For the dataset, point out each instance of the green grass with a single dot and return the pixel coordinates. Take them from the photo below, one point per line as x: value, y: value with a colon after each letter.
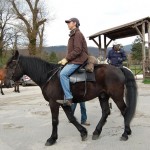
x: 136, y: 69
x: 146, y: 81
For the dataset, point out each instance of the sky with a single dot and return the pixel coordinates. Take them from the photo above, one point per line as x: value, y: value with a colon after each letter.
x: 94, y: 16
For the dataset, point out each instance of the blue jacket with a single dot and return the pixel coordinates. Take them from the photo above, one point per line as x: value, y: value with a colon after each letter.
x: 116, y: 57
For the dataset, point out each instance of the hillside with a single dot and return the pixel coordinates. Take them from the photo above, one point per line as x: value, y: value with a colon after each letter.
x: 92, y: 50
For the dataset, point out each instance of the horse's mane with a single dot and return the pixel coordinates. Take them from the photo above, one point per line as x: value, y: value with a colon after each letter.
x: 39, y: 70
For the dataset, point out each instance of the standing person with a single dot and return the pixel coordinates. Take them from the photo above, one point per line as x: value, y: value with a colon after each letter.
x: 83, y: 112
x: 116, y: 55
x: 77, y: 54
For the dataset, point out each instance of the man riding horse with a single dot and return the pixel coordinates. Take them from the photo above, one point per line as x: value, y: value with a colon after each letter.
x: 77, y: 54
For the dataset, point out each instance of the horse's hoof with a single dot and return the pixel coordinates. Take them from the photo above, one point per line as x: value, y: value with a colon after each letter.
x: 124, y: 138
x: 95, y: 137
x: 50, y: 142
x: 84, y: 136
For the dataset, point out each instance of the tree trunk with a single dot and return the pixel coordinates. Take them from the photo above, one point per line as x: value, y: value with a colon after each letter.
x: 41, y: 35
x: 32, y: 43
x: 32, y: 48
x: 1, y: 47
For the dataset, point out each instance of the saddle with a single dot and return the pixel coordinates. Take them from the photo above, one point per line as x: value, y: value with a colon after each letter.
x: 81, y: 75
x: 85, y: 72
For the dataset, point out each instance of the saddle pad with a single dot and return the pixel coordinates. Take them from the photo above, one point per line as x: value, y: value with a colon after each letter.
x: 82, y: 76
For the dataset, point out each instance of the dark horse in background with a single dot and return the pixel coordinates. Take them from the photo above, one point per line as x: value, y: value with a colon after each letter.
x: 111, y: 82
x: 3, y: 82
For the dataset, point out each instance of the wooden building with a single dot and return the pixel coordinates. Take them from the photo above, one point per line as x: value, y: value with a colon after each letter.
x: 139, y: 27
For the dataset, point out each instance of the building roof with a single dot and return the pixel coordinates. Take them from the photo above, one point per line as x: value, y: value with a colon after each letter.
x: 123, y: 31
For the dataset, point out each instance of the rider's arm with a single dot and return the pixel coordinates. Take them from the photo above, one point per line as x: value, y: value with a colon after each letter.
x: 124, y: 57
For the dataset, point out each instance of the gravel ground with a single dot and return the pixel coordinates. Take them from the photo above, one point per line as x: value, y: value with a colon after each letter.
x: 25, y: 123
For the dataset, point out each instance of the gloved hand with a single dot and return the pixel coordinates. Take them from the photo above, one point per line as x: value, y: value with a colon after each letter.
x: 108, y: 61
x: 63, y: 61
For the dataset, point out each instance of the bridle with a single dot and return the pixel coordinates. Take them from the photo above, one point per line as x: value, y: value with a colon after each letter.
x: 16, y: 65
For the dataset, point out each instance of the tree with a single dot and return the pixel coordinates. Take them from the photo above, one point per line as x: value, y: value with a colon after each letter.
x: 6, y: 29
x: 34, y: 21
x: 5, y: 25
x: 53, y: 57
x: 136, y: 53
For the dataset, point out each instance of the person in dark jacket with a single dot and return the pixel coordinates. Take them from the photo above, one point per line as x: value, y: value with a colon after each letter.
x: 77, y: 54
x: 116, y: 55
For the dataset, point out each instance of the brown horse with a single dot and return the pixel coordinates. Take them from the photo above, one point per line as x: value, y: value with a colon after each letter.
x: 110, y: 83
x: 2, y: 79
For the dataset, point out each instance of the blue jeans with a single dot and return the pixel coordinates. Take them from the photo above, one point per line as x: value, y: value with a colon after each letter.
x: 64, y: 79
x: 82, y: 109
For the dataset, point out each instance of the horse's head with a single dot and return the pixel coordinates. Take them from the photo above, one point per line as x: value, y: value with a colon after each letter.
x: 13, y: 67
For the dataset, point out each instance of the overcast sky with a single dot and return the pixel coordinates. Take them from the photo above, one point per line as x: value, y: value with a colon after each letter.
x: 94, y: 16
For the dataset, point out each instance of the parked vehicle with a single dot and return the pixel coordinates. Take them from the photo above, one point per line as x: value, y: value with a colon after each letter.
x: 25, y: 80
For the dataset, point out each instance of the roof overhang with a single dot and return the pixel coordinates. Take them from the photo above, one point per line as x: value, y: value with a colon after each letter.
x: 123, y: 31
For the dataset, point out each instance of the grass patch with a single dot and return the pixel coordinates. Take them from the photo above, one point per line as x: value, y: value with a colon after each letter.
x: 136, y: 69
x: 146, y: 81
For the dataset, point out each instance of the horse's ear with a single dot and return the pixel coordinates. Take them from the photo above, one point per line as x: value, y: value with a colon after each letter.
x: 16, y: 54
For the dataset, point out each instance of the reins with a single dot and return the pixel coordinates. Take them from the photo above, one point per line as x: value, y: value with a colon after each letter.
x: 16, y: 64
x: 56, y: 70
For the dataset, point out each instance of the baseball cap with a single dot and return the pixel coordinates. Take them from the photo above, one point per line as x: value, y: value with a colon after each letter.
x: 115, y: 43
x: 73, y: 20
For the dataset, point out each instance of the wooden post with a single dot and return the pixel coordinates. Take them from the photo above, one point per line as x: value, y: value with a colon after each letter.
x: 148, y: 26
x: 143, y: 48
x: 105, y: 47
x: 100, y: 46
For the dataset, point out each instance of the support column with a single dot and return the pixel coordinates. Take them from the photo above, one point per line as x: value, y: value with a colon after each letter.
x: 143, y: 49
x: 105, y: 47
x: 100, y: 46
x: 148, y: 26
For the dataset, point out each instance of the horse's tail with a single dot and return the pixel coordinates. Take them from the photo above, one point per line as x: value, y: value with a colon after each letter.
x: 131, y: 94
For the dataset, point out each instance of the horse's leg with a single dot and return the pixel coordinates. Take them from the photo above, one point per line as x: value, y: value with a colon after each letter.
x: 1, y: 84
x: 72, y: 119
x: 18, y: 88
x: 55, y: 112
x: 123, y: 108
x: 15, y: 87
x: 103, y: 98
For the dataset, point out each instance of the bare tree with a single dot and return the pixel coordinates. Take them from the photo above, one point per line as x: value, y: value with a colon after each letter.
x: 41, y: 36
x: 6, y: 18
x: 33, y: 20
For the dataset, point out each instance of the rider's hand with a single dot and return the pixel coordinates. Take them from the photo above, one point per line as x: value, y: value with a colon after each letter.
x: 63, y: 61
x: 108, y: 61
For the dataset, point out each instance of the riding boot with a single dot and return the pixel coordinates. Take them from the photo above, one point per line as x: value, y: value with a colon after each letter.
x: 66, y: 102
